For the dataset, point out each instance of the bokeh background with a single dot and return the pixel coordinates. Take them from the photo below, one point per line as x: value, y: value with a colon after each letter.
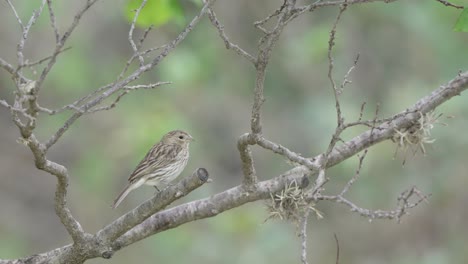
x: 407, y: 49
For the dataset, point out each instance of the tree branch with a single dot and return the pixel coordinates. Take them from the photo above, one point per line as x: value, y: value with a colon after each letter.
x: 113, y: 88
x: 237, y: 196
x: 229, y: 45
x: 153, y: 205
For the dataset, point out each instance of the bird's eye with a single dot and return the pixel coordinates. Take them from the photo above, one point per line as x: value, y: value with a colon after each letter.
x: 181, y: 137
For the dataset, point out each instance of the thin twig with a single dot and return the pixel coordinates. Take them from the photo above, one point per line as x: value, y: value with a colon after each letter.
x: 117, y: 86
x: 25, y: 33
x: 34, y: 63
x: 446, y: 3
x: 345, y: 78
x: 266, y: 46
x: 303, y: 235
x: 229, y: 45
x: 402, y: 208
x: 59, y: 45
x: 125, y: 92
x: 16, y: 14
x: 143, y: 37
x: 356, y: 175
x: 259, y: 24
x: 130, y: 32
x: 331, y: 44
x: 337, y: 249
x: 53, y: 22
x: 285, y: 152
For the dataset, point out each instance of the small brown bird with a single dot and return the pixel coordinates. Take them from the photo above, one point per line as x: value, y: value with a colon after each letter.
x: 161, y: 165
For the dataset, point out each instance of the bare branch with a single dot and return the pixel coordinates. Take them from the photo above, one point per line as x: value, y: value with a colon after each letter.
x: 285, y: 152
x: 250, y: 176
x: 266, y: 46
x: 7, y: 66
x: 153, y: 205
x: 145, y: 35
x: 402, y: 208
x: 336, y: 91
x: 114, y: 87
x: 403, y: 119
x: 356, y: 175
x: 125, y: 92
x: 320, y: 181
x: 238, y: 195
x: 318, y: 4
x: 34, y: 63
x: 16, y: 14
x: 259, y: 24
x: 205, y: 208
x: 303, y: 235
x: 5, y: 104
x: 446, y: 3
x: 131, y: 59
x: 61, y: 209
x: 130, y: 33
x: 59, y: 45
x: 350, y: 70
x: 53, y: 22
x: 25, y: 33
x: 229, y: 45
x: 337, y: 249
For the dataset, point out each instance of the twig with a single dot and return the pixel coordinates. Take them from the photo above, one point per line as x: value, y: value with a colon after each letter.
x: 7, y: 105
x: 143, y: 37
x: 303, y: 235
x: 125, y: 92
x: 130, y: 33
x: 336, y: 92
x: 115, y: 87
x: 53, y: 22
x: 224, y: 37
x: 337, y: 249
x: 402, y: 208
x: 318, y: 4
x: 345, y: 79
x: 126, y: 222
x: 72, y: 226
x: 446, y: 3
x: 265, y: 48
x: 16, y: 14
x: 34, y: 63
x: 59, y: 45
x: 356, y: 175
x: 7, y: 66
x: 331, y: 43
x: 259, y: 24
x: 25, y: 33
x: 285, y: 152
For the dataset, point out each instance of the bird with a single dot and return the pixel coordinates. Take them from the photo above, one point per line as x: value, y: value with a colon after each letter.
x: 161, y: 165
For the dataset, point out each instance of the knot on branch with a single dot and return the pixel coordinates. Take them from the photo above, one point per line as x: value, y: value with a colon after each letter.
x: 202, y: 174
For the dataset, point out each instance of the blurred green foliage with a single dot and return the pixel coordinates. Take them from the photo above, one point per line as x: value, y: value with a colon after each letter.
x: 155, y: 12
x: 462, y: 22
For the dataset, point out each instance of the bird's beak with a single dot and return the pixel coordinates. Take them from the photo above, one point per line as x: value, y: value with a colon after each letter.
x: 191, y: 138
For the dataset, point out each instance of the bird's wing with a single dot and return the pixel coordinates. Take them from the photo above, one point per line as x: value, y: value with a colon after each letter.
x: 158, y: 156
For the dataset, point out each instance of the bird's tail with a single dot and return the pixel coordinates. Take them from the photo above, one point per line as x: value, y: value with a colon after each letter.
x: 123, y: 194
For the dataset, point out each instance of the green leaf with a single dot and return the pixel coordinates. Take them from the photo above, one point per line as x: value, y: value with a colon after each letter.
x: 462, y: 22
x: 155, y: 12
